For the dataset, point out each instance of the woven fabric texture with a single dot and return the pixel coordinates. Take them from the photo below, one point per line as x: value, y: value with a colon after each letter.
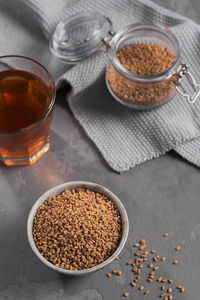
x: 124, y: 137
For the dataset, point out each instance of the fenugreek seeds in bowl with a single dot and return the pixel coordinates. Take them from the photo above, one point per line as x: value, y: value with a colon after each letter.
x: 77, y: 227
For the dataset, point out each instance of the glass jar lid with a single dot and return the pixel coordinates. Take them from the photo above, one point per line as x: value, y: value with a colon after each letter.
x: 78, y: 37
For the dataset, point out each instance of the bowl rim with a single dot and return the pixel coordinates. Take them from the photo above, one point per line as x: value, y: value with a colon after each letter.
x: 73, y: 185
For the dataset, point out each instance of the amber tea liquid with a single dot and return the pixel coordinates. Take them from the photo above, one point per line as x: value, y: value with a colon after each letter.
x: 24, y: 100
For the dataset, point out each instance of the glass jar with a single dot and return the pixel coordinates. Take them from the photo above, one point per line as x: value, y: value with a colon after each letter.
x: 141, y: 91
x: 84, y: 34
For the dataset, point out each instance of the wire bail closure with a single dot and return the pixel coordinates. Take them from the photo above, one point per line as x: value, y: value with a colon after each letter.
x: 183, y: 70
x: 108, y: 39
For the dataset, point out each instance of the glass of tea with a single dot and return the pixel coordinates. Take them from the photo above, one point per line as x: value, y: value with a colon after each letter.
x: 27, y: 96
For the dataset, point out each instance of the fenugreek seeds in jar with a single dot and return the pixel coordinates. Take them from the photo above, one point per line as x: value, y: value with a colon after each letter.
x: 143, y: 62
x: 144, y: 69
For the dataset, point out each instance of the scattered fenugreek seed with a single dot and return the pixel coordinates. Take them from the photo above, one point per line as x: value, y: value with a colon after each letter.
x: 142, y: 242
x: 137, y: 271
x: 170, y: 281
x: 146, y: 292
x: 117, y: 257
x: 140, y: 266
x: 136, y: 261
x: 119, y: 273
x: 179, y: 287
x: 140, y: 259
x: 133, y: 283
x: 152, y: 278
x: 162, y: 295
x: 114, y: 272
x: 145, y: 259
x: 142, y: 247
x: 152, y: 273
x: 133, y: 264
x: 159, y: 279
x: 109, y: 275
x: 155, y: 258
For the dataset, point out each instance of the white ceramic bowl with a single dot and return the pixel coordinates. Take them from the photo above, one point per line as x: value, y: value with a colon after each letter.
x: 74, y: 185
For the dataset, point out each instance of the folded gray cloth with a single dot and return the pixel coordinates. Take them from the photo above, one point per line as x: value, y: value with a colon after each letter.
x: 125, y: 137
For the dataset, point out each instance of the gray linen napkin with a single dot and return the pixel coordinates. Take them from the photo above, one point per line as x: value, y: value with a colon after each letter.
x: 124, y: 137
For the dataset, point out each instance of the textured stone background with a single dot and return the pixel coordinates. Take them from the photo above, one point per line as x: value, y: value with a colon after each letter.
x: 160, y: 196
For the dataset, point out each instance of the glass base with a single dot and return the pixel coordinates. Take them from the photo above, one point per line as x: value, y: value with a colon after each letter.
x: 26, y: 160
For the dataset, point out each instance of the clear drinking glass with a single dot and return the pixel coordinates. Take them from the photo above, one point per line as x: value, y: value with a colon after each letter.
x: 27, y: 96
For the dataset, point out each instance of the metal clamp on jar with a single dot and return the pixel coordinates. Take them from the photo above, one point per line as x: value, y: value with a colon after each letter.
x: 84, y: 34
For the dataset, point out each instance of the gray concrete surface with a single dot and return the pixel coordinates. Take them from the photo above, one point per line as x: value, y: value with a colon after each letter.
x: 160, y: 196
